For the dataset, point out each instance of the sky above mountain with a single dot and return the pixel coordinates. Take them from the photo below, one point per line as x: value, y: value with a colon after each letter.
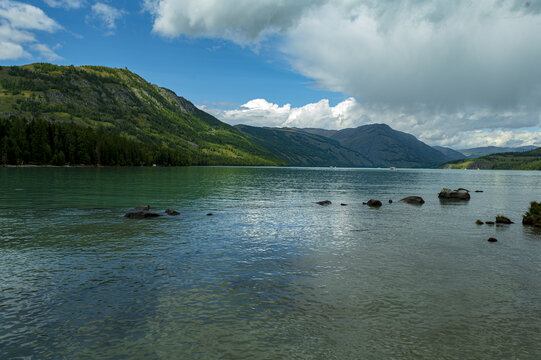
x: 454, y: 73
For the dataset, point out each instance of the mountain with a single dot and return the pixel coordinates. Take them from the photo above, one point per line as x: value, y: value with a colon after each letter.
x: 528, y: 160
x: 301, y: 148
x: 386, y: 147
x: 488, y: 150
x: 449, y: 153
x: 121, y: 104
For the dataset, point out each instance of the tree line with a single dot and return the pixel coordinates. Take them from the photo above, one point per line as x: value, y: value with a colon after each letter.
x: 40, y: 142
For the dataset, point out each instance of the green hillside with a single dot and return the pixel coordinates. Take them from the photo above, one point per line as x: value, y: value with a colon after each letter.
x: 121, y: 104
x: 300, y: 148
x: 529, y: 160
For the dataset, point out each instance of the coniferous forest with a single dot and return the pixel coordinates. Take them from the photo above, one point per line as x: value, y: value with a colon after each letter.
x: 40, y: 142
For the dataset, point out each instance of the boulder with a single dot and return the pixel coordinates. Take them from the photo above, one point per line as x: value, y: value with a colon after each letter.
x: 416, y: 200
x: 503, y: 220
x: 374, y: 203
x: 143, y: 208
x: 172, y: 212
x: 479, y: 222
x: 324, y: 203
x: 141, y: 215
x: 458, y: 194
x: 492, y: 240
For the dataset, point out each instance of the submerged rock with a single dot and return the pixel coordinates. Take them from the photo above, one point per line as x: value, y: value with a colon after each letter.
x: 479, y: 222
x: 324, y: 203
x: 415, y: 200
x: 458, y: 194
x: 490, y: 223
x: 374, y: 203
x: 342, y: 204
x: 143, y: 208
x: 210, y: 214
x: 478, y: 191
x: 503, y: 220
x: 141, y: 215
x: 492, y: 240
x: 172, y: 212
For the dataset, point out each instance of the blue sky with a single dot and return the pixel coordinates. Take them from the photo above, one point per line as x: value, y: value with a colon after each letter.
x: 206, y: 71
x: 458, y: 74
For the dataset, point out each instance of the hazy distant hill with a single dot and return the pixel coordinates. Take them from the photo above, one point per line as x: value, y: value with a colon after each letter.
x: 300, y: 148
x: 449, y: 153
x: 528, y: 160
x: 122, y: 104
x: 488, y: 150
x: 386, y: 147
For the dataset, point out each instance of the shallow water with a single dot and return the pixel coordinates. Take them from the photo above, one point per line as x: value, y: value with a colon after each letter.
x: 271, y: 274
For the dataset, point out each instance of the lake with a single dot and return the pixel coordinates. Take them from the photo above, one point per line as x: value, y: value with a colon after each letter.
x: 271, y: 275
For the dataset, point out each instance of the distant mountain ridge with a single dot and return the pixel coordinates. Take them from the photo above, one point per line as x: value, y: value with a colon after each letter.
x: 376, y: 145
x: 489, y: 150
x: 525, y: 160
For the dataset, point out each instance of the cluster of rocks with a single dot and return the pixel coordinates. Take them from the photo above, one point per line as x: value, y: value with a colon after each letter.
x: 499, y: 220
x: 143, y: 212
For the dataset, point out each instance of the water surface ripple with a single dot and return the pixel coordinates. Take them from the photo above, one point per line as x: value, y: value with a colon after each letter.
x: 271, y: 275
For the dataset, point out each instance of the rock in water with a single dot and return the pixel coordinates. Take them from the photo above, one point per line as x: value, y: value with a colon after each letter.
x: 172, y: 212
x: 390, y: 201
x: 492, y: 240
x: 141, y: 215
x: 415, y: 200
x: 459, y: 194
x: 478, y: 191
x: 479, y: 222
x: 490, y: 223
x: 374, y: 203
x: 324, y: 203
x: 143, y: 208
x: 342, y: 204
x: 210, y: 214
x: 503, y: 220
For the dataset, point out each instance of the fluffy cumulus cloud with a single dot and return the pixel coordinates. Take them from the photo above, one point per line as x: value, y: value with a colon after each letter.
x: 68, y: 4
x: 106, y: 15
x: 434, y: 68
x: 18, y: 24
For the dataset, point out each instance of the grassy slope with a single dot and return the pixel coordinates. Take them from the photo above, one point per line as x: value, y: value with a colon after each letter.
x: 125, y: 103
x: 530, y: 160
x: 300, y: 148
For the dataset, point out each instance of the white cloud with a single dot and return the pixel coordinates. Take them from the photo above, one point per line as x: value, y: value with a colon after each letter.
x: 11, y: 51
x: 46, y: 52
x: 18, y: 24
x: 107, y: 16
x: 24, y: 16
x: 433, y: 68
x: 68, y: 4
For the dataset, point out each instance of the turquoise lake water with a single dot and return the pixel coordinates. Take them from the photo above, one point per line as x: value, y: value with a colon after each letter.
x: 271, y: 275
